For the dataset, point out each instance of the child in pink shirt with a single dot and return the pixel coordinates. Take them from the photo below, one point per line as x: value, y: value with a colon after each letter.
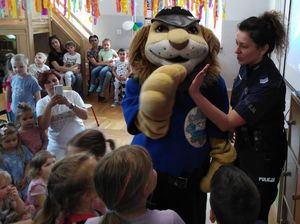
x: 31, y: 135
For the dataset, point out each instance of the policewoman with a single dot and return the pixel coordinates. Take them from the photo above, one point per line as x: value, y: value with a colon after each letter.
x: 258, y: 103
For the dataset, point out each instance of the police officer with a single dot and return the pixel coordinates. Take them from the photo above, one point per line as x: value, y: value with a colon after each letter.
x: 258, y: 103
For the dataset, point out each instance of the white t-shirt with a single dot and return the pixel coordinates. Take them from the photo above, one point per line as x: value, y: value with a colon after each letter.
x: 151, y: 216
x: 34, y: 70
x: 71, y: 60
x: 64, y: 123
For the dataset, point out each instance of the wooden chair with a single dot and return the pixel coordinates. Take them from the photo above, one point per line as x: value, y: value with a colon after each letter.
x: 86, y: 105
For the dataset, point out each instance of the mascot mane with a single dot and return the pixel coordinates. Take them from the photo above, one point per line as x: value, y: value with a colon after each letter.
x: 142, y: 67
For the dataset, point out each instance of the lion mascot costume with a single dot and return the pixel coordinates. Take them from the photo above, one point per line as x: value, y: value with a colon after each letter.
x: 165, y: 57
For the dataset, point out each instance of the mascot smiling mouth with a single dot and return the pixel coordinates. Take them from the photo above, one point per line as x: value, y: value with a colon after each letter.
x: 176, y: 40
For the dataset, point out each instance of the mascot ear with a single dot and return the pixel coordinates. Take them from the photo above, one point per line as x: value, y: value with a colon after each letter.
x: 141, y: 66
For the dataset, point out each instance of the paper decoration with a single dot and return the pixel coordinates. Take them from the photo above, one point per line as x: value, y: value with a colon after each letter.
x: 128, y: 25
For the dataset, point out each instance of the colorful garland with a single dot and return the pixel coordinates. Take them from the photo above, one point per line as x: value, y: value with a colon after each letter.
x: 13, y: 7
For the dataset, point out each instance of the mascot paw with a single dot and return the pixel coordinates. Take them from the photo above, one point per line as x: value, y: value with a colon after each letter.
x: 205, y: 182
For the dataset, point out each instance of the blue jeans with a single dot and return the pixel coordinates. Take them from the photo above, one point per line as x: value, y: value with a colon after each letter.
x: 77, y: 84
x: 95, y: 73
x: 105, y: 71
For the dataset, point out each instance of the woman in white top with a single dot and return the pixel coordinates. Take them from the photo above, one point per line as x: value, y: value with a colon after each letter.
x: 61, y: 114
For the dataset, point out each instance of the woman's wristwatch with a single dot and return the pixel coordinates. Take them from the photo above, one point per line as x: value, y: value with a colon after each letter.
x: 72, y: 106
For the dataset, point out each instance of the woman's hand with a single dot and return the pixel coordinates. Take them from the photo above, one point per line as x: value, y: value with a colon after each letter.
x: 59, y: 99
x: 197, y: 82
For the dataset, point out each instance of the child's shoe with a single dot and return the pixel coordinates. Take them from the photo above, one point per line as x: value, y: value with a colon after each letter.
x: 98, y: 90
x: 92, y: 88
x: 116, y: 103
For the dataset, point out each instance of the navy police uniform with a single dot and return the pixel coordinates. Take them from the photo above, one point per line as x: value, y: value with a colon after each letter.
x: 258, y: 96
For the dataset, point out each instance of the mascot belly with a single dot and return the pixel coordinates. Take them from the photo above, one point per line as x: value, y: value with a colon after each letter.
x: 165, y: 57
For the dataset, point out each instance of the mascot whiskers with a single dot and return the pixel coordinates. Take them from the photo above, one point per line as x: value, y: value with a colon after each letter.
x: 165, y: 57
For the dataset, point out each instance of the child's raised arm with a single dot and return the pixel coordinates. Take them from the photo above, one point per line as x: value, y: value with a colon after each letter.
x: 17, y: 204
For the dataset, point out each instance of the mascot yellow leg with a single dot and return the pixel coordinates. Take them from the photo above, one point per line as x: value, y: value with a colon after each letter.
x: 222, y: 153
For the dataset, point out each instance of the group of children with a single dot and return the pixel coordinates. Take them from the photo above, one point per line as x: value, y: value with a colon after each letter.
x: 91, y: 185
x: 117, y: 64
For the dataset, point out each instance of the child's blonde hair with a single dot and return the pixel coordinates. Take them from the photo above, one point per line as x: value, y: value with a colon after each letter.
x: 22, y: 58
x: 5, y: 177
x: 37, y: 162
x: 21, y: 109
x: 69, y: 180
x: 120, y: 179
x: 43, y: 55
x: 91, y: 141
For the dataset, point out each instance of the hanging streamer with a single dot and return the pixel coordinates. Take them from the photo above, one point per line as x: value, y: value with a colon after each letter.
x: 37, y: 5
x: 224, y: 16
x: 97, y: 10
x: 74, y: 6
x: 88, y: 6
x: 13, y: 8
x: 118, y: 6
x: 145, y: 8
x: 124, y: 7
x: 65, y: 7
x: 155, y: 7
x: 132, y: 4
x: 69, y: 9
x: 44, y: 10
x: 2, y: 4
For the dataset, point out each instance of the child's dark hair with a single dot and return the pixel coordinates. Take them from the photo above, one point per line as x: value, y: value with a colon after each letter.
x: 92, y: 141
x: 69, y: 180
x: 106, y: 40
x: 266, y: 29
x: 37, y: 162
x: 21, y: 109
x: 121, y: 50
x: 120, y: 178
x: 70, y: 43
x: 234, y: 197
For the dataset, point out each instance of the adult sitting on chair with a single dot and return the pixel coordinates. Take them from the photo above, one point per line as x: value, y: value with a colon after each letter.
x: 62, y: 114
x: 55, y: 60
x: 93, y: 58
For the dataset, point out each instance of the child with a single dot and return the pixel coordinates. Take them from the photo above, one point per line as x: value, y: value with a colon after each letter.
x: 25, y: 88
x: 39, y: 65
x: 90, y: 140
x: 71, y: 59
x: 234, y: 198
x: 121, y: 71
x: 7, y: 86
x: 31, y: 135
x: 14, y: 157
x: 106, y: 56
x: 39, y: 172
x: 11, y: 205
x: 124, y: 178
x: 71, y: 191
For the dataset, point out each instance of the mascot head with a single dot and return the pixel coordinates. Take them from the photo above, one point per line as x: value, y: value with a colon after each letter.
x: 174, y: 36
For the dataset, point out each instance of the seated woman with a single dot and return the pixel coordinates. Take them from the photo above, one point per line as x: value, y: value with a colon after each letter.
x: 55, y: 60
x: 61, y: 114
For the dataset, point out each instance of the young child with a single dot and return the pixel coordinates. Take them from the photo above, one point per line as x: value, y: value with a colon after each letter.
x: 11, y: 205
x: 7, y: 86
x: 71, y: 59
x: 14, y: 157
x: 91, y: 141
x: 31, y: 135
x: 39, y: 65
x: 71, y: 191
x: 124, y: 178
x: 39, y: 172
x: 121, y: 72
x: 234, y: 198
x: 106, y: 56
x: 24, y: 87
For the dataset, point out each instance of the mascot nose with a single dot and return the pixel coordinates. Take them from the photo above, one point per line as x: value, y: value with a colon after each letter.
x: 178, y: 38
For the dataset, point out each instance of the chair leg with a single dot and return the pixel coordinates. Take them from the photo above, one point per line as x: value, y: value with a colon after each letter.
x: 95, y: 116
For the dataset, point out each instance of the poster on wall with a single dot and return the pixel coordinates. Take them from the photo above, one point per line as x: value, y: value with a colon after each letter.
x: 292, y: 64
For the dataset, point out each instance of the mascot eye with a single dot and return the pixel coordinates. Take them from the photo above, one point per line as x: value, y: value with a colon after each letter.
x: 161, y: 28
x: 192, y: 29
